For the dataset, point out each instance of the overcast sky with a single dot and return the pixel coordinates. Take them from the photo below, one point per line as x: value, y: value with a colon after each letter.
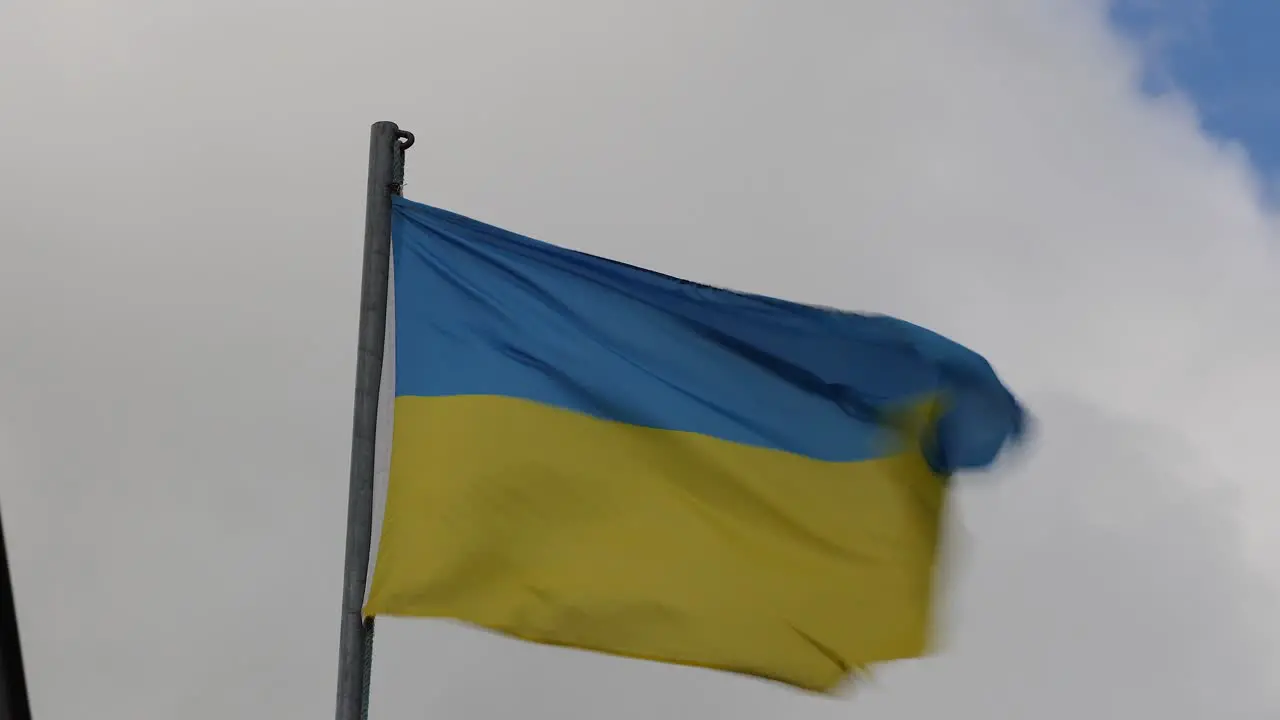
x: 181, y: 207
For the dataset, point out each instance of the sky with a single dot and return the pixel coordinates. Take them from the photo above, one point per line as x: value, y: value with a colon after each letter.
x: 1219, y: 52
x: 1055, y: 183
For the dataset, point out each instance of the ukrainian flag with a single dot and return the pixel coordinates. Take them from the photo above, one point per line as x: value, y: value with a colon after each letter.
x: 593, y: 455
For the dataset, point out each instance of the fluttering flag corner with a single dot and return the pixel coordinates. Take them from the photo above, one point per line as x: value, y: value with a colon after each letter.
x: 590, y: 454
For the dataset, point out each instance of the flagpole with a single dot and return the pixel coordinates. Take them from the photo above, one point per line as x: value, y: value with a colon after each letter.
x: 14, y: 704
x: 387, y: 143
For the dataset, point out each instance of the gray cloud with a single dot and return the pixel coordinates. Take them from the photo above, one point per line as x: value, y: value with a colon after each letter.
x: 180, y: 209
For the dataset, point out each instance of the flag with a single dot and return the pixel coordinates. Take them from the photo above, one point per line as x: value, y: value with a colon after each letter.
x: 589, y: 454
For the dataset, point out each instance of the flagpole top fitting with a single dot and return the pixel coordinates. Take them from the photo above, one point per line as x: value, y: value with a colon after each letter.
x: 405, y: 139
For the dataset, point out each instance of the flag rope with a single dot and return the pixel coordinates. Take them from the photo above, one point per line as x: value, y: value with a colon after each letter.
x: 366, y: 669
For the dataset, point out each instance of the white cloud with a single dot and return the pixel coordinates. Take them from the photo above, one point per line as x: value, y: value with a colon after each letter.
x: 182, y: 198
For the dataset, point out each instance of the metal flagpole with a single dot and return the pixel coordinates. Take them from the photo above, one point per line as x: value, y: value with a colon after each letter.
x: 387, y: 143
x: 14, y: 704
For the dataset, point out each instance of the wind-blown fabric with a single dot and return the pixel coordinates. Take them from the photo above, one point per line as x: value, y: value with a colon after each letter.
x: 590, y: 454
